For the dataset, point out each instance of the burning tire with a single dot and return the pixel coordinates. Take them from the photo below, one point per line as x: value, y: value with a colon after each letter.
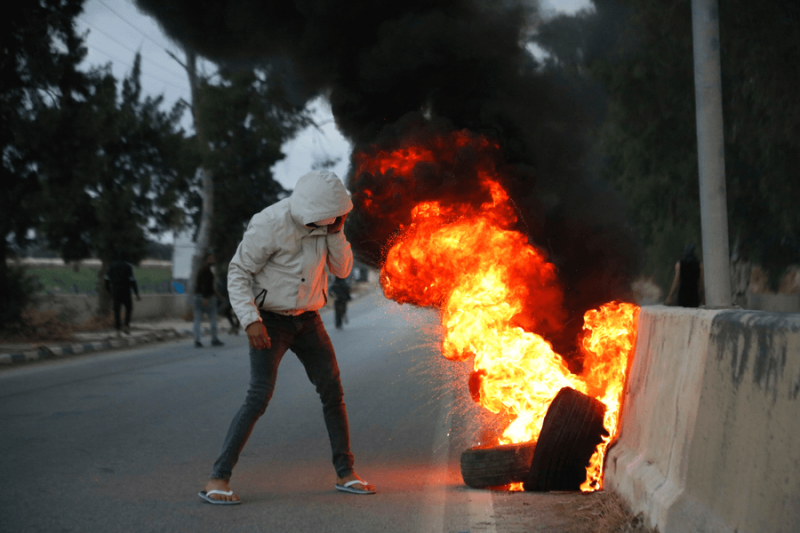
x: 572, y: 429
x: 494, y: 466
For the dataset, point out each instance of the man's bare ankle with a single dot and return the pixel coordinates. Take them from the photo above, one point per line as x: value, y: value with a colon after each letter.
x: 217, y: 484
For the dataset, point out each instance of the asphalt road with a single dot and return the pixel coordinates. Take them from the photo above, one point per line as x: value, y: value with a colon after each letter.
x: 123, y: 441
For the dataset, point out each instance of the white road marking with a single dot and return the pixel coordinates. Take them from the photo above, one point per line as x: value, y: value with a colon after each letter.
x: 481, y: 508
x: 481, y: 512
x: 435, y: 491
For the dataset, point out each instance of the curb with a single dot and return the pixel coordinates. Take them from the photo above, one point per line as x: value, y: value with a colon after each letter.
x: 43, y: 353
x: 54, y: 352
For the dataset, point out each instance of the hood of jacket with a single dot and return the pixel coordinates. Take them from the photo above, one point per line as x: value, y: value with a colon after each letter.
x: 318, y: 195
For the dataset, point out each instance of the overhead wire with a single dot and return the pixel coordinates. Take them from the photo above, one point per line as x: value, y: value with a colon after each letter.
x: 126, y: 21
x: 150, y: 61
x: 132, y: 26
x: 130, y: 65
x: 127, y: 63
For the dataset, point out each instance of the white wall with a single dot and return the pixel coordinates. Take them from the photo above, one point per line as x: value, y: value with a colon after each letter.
x: 77, y: 308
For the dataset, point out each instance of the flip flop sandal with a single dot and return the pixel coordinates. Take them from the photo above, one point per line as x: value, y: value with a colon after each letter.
x: 348, y: 487
x: 206, y: 496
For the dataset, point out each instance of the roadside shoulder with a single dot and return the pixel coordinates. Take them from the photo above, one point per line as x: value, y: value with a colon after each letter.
x: 23, y: 353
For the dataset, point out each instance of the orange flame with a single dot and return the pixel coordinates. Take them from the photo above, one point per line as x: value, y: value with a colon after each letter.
x: 489, y: 282
x: 607, y: 346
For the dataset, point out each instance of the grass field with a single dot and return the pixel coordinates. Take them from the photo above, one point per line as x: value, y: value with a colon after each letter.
x: 65, y: 279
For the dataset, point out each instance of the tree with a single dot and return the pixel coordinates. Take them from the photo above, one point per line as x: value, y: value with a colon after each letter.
x: 245, y: 118
x: 38, y: 69
x: 649, y: 135
x: 89, y: 169
x: 138, y: 173
x: 240, y: 123
x: 647, y: 141
x: 113, y: 167
x: 760, y: 53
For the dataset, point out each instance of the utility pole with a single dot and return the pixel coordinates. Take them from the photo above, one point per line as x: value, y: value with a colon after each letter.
x: 206, y: 178
x: 711, y: 153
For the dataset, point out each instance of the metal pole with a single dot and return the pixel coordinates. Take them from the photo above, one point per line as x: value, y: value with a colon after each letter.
x: 206, y: 177
x: 711, y: 153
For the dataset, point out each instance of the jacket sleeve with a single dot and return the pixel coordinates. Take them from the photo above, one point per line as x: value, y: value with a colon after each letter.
x: 254, y: 251
x: 340, y: 255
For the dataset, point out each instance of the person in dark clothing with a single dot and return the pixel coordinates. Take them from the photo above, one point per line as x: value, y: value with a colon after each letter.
x: 206, y: 301
x: 341, y: 294
x: 119, y: 281
x: 687, y: 285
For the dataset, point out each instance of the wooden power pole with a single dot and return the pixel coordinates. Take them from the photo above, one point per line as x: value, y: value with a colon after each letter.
x: 203, y: 241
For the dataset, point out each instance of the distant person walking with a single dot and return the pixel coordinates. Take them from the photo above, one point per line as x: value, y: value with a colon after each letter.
x: 341, y: 294
x: 225, y: 308
x: 687, y: 285
x: 120, y: 281
x: 205, y: 301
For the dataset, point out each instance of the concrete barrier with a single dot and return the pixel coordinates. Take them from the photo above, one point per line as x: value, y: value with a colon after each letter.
x: 710, y: 430
x: 77, y: 308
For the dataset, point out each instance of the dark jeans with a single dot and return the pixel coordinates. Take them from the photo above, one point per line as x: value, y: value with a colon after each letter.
x: 209, y: 308
x: 120, y: 300
x: 306, y: 337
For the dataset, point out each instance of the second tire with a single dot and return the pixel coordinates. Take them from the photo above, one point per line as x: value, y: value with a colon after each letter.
x: 494, y: 466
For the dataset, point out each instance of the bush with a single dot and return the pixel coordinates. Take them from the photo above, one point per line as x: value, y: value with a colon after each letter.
x: 17, y: 290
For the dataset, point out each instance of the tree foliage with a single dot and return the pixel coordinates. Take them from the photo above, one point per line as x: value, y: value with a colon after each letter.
x: 119, y: 170
x: 38, y: 67
x: 641, y: 54
x: 760, y: 58
x: 90, y: 169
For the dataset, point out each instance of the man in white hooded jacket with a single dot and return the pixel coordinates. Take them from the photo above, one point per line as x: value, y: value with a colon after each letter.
x: 276, y: 284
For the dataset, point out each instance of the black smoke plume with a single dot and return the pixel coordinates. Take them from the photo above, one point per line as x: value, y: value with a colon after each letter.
x: 392, y: 69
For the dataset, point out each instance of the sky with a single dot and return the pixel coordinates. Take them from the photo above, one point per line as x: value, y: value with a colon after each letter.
x: 117, y: 30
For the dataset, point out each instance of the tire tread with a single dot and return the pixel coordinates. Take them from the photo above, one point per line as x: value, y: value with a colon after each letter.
x: 572, y: 428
